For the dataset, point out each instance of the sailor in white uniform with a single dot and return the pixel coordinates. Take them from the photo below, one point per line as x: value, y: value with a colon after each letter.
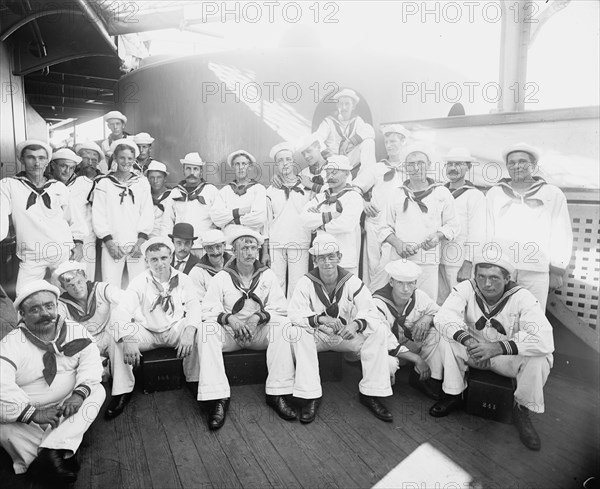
x: 211, y: 263
x: 156, y: 173
x: 116, y: 122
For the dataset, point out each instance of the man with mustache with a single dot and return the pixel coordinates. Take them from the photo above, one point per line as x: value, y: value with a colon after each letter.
x: 93, y: 162
x: 160, y: 308
x: 348, y: 134
x: 456, y: 263
x: 192, y: 199
x: 530, y: 217
x: 50, y: 387
x: 213, y: 261
x: 313, y: 176
x: 46, y: 234
x: 337, y: 211
x: 491, y: 323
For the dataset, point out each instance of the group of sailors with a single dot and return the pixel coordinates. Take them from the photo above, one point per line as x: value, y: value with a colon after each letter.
x: 450, y: 278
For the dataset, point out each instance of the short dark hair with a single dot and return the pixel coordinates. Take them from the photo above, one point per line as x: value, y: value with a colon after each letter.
x: 123, y: 147
x: 505, y: 272
x: 33, y: 147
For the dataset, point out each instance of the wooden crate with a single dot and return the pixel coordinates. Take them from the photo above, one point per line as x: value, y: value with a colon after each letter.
x: 490, y: 395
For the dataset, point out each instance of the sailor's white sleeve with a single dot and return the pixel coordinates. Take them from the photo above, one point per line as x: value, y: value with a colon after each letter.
x: 386, y: 221
x: 299, y: 310
x: 349, y: 218
x: 146, y: 221
x: 168, y: 220
x: 312, y: 220
x: 102, y: 227
x: 386, y: 318
x: 14, y: 402
x: 323, y: 131
x: 367, y: 315
x: 220, y: 214
x: 89, y: 368
x: 212, y: 304
x: 258, y: 210
x: 449, y: 320
x: 476, y: 223
x: 561, y: 239
x: 124, y: 314
x: 193, y: 309
x: 450, y: 224
x: 276, y: 302
x: 5, y: 208
x: 113, y: 294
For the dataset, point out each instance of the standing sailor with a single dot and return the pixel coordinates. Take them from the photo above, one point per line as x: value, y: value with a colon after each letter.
x: 156, y: 173
x: 144, y: 142
x: 62, y: 166
x: 115, y: 121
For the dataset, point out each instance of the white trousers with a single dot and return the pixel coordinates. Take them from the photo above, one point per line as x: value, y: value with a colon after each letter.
x: 274, y: 336
x: 535, y: 282
x: 373, y: 354
x: 22, y: 441
x: 447, y: 279
x: 112, y: 270
x: 371, y: 255
x: 531, y: 373
x: 31, y: 269
x: 289, y: 265
x: 123, y: 379
x: 89, y: 256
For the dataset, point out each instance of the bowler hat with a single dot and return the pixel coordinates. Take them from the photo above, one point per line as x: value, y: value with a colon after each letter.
x: 183, y: 230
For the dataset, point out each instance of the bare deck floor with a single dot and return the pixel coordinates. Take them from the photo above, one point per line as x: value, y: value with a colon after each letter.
x: 161, y: 441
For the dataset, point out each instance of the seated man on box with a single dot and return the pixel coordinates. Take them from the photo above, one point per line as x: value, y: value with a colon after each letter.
x: 408, y: 312
x: 213, y: 261
x: 334, y: 306
x: 50, y: 390
x: 91, y: 304
x: 244, y: 307
x: 492, y: 323
x: 159, y: 308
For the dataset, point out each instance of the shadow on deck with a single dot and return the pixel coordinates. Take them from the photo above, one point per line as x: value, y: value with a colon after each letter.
x: 161, y: 441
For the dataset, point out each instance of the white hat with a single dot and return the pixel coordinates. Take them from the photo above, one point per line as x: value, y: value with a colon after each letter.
x: 239, y: 152
x: 157, y: 166
x: 459, y: 154
x: 126, y: 142
x: 34, y: 142
x: 192, y: 159
x: 115, y: 114
x: 492, y: 257
x: 527, y: 148
x: 309, y: 141
x: 394, y: 128
x: 403, y: 270
x: 212, y: 237
x: 69, y: 266
x: 33, y: 287
x: 285, y: 146
x: 156, y: 240
x: 143, y: 138
x: 66, y: 154
x: 324, y: 244
x: 347, y: 92
x: 338, y: 162
x: 234, y: 232
x: 90, y: 145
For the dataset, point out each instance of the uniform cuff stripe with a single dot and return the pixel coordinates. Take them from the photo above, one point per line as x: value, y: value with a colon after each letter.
x: 26, y: 414
x: 462, y: 336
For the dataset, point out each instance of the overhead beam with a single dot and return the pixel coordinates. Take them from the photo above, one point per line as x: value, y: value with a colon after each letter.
x: 31, y: 17
x: 98, y: 23
x: 22, y: 68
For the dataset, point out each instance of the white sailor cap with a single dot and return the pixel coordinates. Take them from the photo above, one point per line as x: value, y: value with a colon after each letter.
x: 309, y: 141
x: 143, y: 138
x: 125, y: 142
x: 459, y: 154
x: 285, y: 146
x: 192, y: 159
x: 347, y: 92
x: 526, y: 148
x: 115, y: 114
x: 31, y: 288
x: 394, y: 128
x: 66, y: 154
x: 69, y: 266
x: 493, y: 255
x: 403, y: 270
x: 157, y: 240
x: 338, y: 162
x: 239, y: 152
x: 234, y: 232
x: 156, y: 166
x: 34, y: 142
x: 324, y: 244
x: 91, y: 146
x: 212, y: 237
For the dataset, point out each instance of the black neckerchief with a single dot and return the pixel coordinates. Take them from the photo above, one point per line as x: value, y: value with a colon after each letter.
x: 205, y: 264
x: 35, y: 191
x: 188, y: 194
x: 247, y: 293
x: 241, y: 189
x: 331, y: 198
x: 77, y: 313
x: 316, y: 175
x: 345, y: 131
x: 385, y: 295
x: 157, y: 202
x: 51, y: 348
x: 125, y: 187
x: 488, y: 312
x: 331, y: 301
x: 297, y: 187
x: 164, y: 299
x: 391, y: 170
x: 527, y: 198
x: 417, y: 197
x: 457, y: 192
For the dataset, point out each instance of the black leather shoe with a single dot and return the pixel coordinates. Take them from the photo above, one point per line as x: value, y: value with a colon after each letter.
x: 50, y: 465
x: 217, y: 414
x: 281, y: 407
x: 527, y: 433
x: 431, y: 388
x: 117, y: 405
x: 448, y: 404
x: 309, y: 410
x: 376, y: 407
